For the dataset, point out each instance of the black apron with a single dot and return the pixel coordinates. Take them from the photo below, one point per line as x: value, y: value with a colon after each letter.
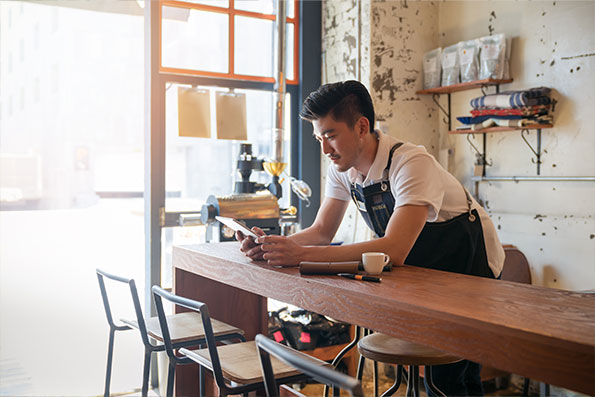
x: 456, y: 245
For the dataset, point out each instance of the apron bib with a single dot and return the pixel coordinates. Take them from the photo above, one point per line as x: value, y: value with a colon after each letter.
x: 456, y: 245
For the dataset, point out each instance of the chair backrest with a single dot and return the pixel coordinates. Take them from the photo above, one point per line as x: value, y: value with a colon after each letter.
x: 516, y: 267
x: 101, y: 276
x: 159, y: 294
x: 302, y: 363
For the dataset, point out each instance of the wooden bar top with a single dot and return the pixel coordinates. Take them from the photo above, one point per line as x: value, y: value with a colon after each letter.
x: 542, y: 333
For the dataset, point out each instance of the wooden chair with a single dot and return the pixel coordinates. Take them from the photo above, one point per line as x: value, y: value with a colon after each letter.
x: 186, y: 330
x: 235, y: 367
x: 386, y: 349
x: 314, y: 368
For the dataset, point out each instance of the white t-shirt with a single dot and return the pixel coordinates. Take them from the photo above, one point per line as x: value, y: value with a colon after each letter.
x: 416, y: 178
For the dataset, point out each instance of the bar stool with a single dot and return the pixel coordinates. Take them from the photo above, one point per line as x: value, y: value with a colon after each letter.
x: 235, y: 367
x: 386, y: 349
x: 186, y: 330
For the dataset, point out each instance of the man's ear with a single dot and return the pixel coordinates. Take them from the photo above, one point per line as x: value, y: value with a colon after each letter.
x: 363, y: 126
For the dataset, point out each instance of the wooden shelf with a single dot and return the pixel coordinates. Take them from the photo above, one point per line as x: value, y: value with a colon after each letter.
x: 501, y: 129
x: 463, y: 86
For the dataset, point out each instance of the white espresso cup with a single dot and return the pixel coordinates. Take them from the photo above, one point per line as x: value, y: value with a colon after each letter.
x: 374, y: 262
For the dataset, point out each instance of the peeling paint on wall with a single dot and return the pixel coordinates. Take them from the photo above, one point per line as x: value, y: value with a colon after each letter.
x: 400, y: 34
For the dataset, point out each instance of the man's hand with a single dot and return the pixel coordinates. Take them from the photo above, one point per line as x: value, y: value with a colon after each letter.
x: 281, y: 251
x: 248, y: 246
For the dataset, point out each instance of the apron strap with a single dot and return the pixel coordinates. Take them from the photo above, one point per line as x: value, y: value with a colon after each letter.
x: 390, y: 158
x: 469, y: 203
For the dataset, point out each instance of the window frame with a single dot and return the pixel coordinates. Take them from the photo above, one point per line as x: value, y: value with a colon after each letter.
x: 231, y: 12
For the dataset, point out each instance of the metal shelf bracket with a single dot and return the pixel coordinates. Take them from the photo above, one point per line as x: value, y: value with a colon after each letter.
x: 536, y: 152
x: 446, y: 112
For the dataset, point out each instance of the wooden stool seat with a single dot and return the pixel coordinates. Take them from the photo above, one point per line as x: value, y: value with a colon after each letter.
x: 386, y: 349
x: 240, y: 362
x: 185, y: 327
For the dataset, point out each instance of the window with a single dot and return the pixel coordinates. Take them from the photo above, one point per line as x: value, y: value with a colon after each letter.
x: 54, y: 171
x: 232, y: 40
x: 215, y: 41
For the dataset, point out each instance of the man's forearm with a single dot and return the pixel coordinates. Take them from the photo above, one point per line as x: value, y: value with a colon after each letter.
x: 353, y: 252
x: 310, y: 236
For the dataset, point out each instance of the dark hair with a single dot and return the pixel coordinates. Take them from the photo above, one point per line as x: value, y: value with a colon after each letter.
x: 346, y: 101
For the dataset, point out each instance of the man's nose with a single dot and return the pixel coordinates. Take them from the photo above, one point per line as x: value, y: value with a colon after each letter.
x: 326, y: 148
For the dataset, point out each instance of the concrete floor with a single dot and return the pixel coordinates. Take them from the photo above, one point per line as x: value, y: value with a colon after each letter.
x: 385, y: 382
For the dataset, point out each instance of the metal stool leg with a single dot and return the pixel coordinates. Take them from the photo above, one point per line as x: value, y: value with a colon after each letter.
x: 405, y: 374
x: 526, y: 387
x: 170, y: 378
x: 361, y: 362
x: 346, y: 349
x: 375, y: 378
x: 110, y: 356
x: 393, y: 389
x: 360, y: 368
x: 413, y: 384
x: 544, y: 389
x: 146, y: 372
x: 429, y: 383
x: 416, y: 380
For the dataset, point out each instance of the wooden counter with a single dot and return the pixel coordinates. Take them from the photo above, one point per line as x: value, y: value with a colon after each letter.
x: 542, y: 333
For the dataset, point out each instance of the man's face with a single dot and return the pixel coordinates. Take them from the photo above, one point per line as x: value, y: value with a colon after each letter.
x: 338, y: 141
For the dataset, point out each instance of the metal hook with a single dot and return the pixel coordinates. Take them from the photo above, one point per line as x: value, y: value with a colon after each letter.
x: 447, y: 114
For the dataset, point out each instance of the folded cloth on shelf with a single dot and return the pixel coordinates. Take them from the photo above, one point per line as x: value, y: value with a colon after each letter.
x: 481, y: 119
x: 523, y: 122
x: 523, y: 111
x: 513, y: 99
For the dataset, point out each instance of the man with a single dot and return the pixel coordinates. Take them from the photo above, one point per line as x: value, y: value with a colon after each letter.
x: 420, y: 213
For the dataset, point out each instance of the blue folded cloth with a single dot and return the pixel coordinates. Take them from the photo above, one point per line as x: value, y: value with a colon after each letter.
x: 481, y: 119
x: 513, y: 99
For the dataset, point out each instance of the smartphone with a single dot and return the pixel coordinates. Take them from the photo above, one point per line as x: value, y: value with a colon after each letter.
x: 236, y: 226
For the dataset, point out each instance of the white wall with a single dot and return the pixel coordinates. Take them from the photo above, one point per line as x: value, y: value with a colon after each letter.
x: 553, y: 45
x: 551, y: 222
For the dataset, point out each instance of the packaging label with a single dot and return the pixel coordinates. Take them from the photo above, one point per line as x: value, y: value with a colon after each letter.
x: 449, y: 60
x: 467, y: 56
x: 490, y: 51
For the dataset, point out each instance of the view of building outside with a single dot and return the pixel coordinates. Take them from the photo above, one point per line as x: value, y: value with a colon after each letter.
x: 71, y: 188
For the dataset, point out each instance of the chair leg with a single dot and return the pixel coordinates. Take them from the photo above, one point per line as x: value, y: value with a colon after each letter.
x: 336, y: 391
x: 201, y: 381
x: 108, y: 367
x: 393, y: 389
x: 170, y: 378
x: 146, y: 372
x: 429, y: 383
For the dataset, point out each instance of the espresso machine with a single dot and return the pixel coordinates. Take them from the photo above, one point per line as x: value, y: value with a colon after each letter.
x: 252, y: 203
